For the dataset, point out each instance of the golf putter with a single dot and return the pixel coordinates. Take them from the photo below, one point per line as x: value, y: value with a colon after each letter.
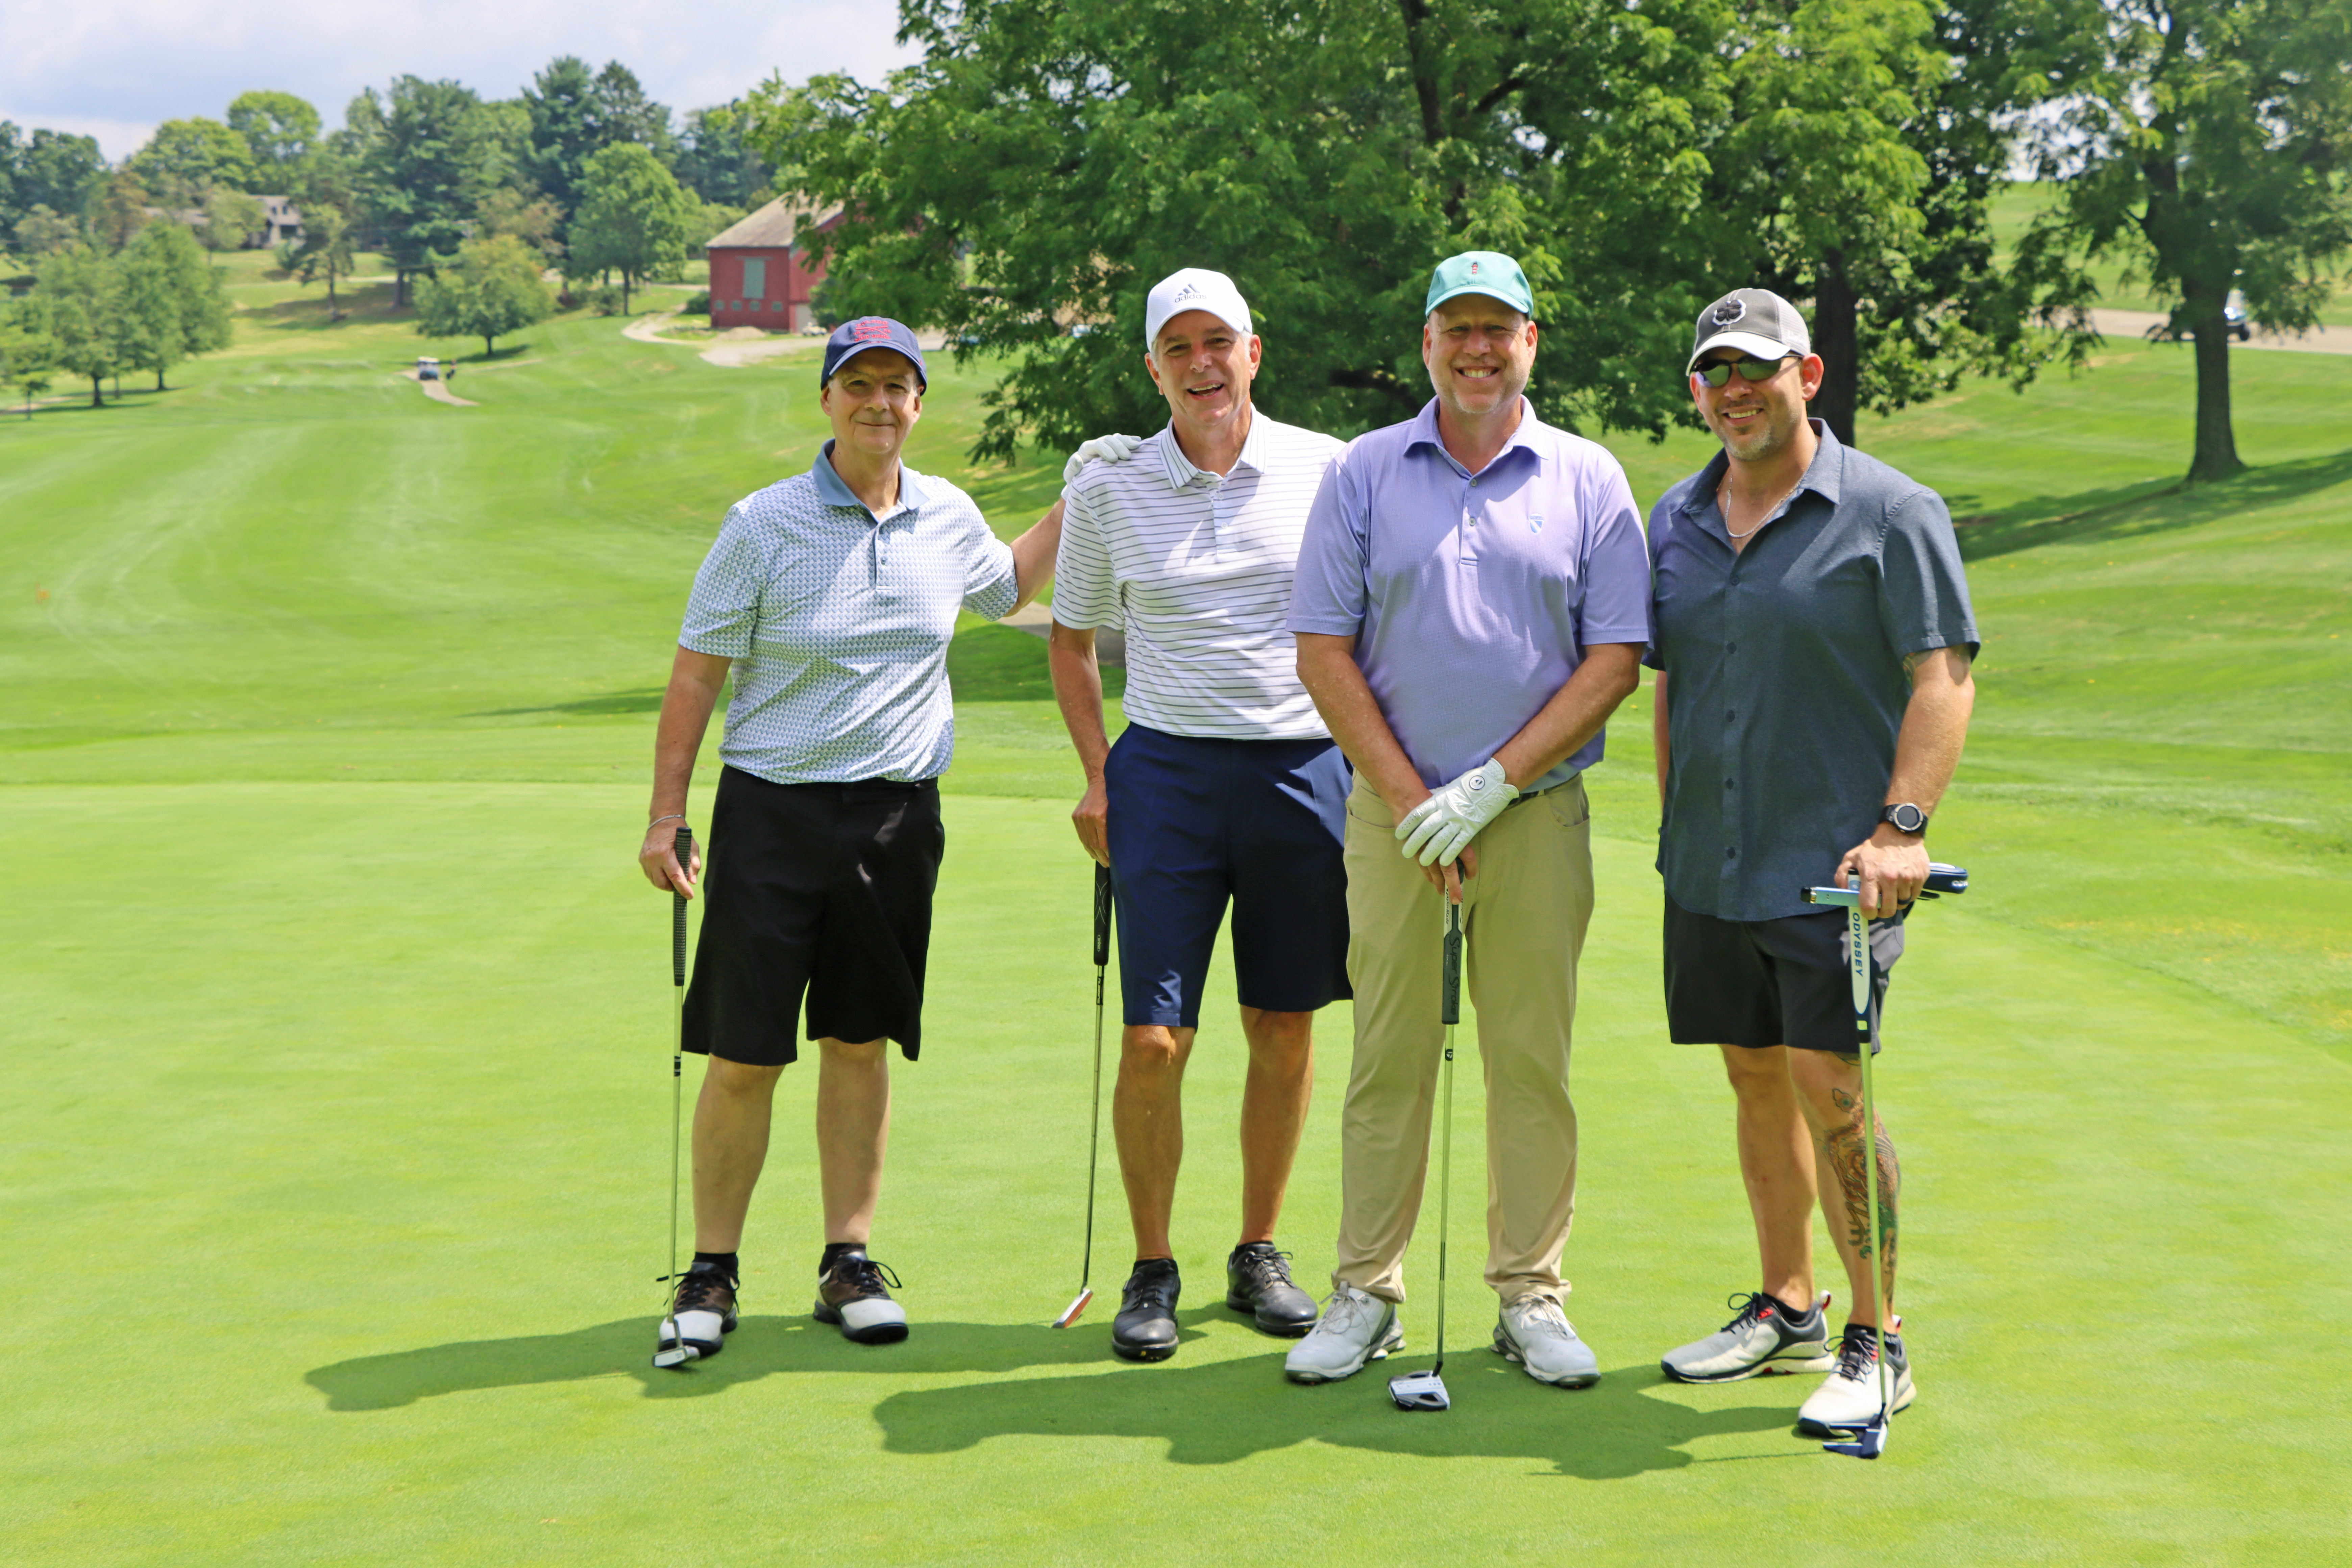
x: 1426, y: 1390
x: 669, y: 1349
x: 1094, y: 1117
x: 1869, y: 1441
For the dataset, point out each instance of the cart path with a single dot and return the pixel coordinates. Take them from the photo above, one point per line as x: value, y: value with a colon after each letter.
x: 2139, y: 323
x: 1037, y: 618
x: 740, y: 346
x: 438, y: 391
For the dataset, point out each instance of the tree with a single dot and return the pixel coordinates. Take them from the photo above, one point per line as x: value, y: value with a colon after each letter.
x: 80, y: 292
x: 48, y: 169
x: 492, y: 288
x: 632, y: 220
x: 172, y: 304
x: 41, y: 231
x: 27, y: 353
x: 232, y: 218
x: 187, y: 157
x: 1043, y: 165
x: 122, y: 208
x: 534, y: 220
x: 426, y: 172
x: 280, y: 130
x: 574, y: 115
x: 2207, y: 151
x: 327, y: 250
x: 712, y: 162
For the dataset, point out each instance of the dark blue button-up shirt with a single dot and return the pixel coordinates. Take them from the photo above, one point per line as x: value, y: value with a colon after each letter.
x: 1785, y: 680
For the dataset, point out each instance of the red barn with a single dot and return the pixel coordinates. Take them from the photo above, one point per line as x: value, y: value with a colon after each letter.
x: 760, y: 277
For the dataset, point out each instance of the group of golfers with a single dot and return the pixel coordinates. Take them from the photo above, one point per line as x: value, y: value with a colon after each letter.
x: 1364, y: 678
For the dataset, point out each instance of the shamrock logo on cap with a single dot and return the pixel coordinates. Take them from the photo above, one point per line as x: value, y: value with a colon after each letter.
x: 1727, y: 311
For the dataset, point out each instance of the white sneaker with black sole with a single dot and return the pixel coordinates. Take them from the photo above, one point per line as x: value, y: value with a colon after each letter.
x: 1847, y: 1399
x: 1763, y: 1338
x: 853, y: 1296
x: 1532, y: 1331
x: 1355, y: 1328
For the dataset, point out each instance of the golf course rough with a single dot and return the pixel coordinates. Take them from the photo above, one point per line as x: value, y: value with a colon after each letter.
x: 339, y: 1034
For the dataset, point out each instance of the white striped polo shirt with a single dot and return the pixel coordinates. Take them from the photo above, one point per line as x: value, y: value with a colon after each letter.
x: 1196, y: 568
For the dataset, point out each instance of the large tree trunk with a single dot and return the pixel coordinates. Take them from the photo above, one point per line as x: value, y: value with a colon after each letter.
x: 97, y: 390
x: 1836, y: 340
x: 2216, y: 457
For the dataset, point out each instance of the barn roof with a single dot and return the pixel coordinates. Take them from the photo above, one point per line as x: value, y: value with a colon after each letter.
x: 772, y: 226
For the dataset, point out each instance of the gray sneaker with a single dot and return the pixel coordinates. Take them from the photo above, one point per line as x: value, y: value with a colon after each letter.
x: 1532, y: 1331
x: 1762, y: 1338
x: 1355, y: 1328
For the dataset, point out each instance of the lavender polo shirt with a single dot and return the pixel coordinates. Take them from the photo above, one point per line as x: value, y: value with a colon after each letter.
x: 1472, y: 597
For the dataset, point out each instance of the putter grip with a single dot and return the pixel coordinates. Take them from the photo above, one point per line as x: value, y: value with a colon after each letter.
x: 1943, y: 879
x: 1102, y: 914
x: 1450, y: 1002
x: 677, y: 910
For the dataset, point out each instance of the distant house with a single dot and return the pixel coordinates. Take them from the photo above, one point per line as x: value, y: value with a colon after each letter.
x: 761, y: 272
x: 283, y: 221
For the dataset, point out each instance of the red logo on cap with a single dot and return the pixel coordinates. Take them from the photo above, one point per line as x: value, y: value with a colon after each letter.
x: 1473, y: 270
x: 871, y: 330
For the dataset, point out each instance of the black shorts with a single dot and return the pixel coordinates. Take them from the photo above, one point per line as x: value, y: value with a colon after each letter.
x: 1770, y: 983
x: 817, y: 888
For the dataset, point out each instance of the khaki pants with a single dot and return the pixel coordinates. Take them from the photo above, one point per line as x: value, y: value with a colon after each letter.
x: 1523, y: 919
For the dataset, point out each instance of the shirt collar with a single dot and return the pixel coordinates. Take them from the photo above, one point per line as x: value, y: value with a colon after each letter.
x: 1823, y: 474
x: 831, y: 489
x: 1425, y: 433
x: 1181, y: 469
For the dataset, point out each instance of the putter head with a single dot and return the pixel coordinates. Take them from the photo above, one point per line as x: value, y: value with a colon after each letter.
x: 1419, y: 1391
x: 1867, y: 1442
x: 669, y: 1352
x: 1070, y: 1313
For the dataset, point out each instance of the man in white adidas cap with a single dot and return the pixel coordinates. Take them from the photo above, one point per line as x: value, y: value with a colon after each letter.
x: 1224, y: 785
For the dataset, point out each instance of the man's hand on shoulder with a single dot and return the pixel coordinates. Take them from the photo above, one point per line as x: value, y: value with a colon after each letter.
x: 1893, y: 867
x: 1101, y: 450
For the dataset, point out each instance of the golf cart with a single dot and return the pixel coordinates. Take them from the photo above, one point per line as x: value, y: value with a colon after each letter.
x: 2234, y: 323
x: 428, y: 369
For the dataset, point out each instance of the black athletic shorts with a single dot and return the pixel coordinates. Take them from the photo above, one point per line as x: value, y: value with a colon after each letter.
x: 1770, y: 983
x: 817, y: 888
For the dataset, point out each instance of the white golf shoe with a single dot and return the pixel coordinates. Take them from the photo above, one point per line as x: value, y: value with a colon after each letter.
x: 853, y: 1296
x: 1354, y: 1329
x: 1762, y: 1338
x: 1847, y: 1399
x: 1532, y: 1331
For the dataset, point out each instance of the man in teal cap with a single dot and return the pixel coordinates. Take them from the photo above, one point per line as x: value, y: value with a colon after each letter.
x: 1471, y: 601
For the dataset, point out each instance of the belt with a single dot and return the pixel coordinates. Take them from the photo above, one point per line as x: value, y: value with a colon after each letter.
x: 1527, y: 795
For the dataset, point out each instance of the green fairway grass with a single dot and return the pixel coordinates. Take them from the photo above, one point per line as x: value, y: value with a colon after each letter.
x: 335, y: 1139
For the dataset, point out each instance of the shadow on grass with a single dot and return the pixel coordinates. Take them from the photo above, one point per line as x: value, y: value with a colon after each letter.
x: 1210, y: 1413
x: 2134, y: 511
x: 1217, y: 1413
x: 762, y: 1347
x: 645, y: 700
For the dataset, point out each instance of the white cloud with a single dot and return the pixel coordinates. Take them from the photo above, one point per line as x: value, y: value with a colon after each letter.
x: 115, y: 68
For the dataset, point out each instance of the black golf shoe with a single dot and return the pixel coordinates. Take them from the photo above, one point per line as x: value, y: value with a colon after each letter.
x: 701, y: 1314
x: 851, y: 1295
x: 1145, y: 1328
x: 1257, y: 1281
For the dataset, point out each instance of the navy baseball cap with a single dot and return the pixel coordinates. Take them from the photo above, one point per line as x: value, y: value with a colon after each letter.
x: 854, y: 338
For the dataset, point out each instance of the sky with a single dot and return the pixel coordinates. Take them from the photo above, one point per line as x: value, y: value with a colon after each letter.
x: 115, y: 69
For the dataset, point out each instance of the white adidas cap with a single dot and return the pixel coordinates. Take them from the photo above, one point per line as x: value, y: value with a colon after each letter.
x: 1195, y: 289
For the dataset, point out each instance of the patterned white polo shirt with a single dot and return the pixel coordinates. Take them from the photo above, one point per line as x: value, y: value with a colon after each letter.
x: 1196, y: 568
x: 838, y: 622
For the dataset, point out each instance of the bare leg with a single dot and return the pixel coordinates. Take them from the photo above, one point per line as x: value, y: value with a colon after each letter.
x: 1274, y: 1111
x: 731, y: 1144
x: 1776, y: 1160
x: 1147, y: 1115
x: 853, y: 1130
x: 1829, y: 1086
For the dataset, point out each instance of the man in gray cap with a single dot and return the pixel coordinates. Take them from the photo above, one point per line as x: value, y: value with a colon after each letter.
x: 1813, y: 639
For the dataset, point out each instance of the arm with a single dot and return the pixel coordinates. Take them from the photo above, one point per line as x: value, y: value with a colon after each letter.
x: 1077, y: 690
x: 694, y: 680
x: 1659, y: 739
x: 1033, y: 552
x: 1893, y: 865
x: 1606, y: 675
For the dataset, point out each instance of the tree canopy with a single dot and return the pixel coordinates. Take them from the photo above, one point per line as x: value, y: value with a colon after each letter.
x: 2208, y: 150
x: 575, y: 114
x: 281, y: 130
x: 186, y: 158
x: 633, y: 217
x: 429, y: 158
x: 492, y: 288
x: 46, y: 169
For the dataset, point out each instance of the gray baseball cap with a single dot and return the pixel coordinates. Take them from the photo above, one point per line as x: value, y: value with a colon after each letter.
x: 1753, y: 320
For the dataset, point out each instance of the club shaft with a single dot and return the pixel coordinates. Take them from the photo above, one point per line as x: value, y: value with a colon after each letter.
x: 1094, y: 1140
x: 683, y: 846
x: 1450, y: 1011
x: 1858, y: 934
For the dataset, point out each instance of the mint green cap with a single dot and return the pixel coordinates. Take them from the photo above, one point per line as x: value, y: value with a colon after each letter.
x: 1488, y: 272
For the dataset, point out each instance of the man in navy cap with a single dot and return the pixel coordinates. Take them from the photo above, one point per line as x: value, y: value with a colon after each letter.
x: 831, y: 597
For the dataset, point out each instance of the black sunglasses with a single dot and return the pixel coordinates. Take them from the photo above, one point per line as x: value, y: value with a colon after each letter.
x: 1751, y: 370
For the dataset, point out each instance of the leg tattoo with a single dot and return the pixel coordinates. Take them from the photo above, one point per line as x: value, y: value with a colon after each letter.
x: 1844, y: 1146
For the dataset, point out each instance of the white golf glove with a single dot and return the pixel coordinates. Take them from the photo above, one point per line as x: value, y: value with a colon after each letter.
x: 1101, y: 450
x: 1440, y: 827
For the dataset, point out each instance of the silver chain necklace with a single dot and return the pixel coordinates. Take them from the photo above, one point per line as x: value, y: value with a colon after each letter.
x: 1723, y: 489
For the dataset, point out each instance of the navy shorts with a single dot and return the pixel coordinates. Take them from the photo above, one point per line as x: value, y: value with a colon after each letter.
x: 1196, y: 822
x: 1772, y: 983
